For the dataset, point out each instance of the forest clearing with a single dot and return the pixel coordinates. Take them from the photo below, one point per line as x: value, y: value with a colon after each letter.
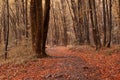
x: 60, y: 40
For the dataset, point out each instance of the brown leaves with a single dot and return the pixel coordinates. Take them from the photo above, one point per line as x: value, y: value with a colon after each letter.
x: 81, y: 64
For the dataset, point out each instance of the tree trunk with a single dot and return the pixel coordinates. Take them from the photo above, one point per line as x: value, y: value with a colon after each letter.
x: 104, y: 23
x: 46, y: 23
x: 93, y: 18
x: 7, y: 31
x: 65, y: 38
x: 39, y: 24
x: 33, y: 17
x: 110, y: 23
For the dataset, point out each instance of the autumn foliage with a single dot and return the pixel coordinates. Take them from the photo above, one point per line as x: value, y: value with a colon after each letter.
x: 76, y: 63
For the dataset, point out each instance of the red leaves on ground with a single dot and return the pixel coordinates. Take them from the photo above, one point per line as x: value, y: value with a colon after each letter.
x: 107, y: 61
x: 80, y: 63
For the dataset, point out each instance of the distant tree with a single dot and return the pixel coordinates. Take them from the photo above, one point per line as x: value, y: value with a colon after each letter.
x: 94, y: 22
x: 76, y: 20
x: 55, y: 29
x: 110, y: 24
x: 65, y: 38
x: 7, y: 29
x: 104, y: 22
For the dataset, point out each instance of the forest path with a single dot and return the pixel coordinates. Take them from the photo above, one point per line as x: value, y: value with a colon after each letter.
x: 63, y: 65
x: 66, y: 64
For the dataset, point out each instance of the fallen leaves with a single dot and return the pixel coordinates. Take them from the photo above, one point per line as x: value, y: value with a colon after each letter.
x: 68, y: 64
x: 108, y: 64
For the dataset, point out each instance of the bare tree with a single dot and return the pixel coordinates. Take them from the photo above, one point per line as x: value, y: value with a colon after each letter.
x: 93, y: 18
x: 7, y: 29
x: 39, y: 25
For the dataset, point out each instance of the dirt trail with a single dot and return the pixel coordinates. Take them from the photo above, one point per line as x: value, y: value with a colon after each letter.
x: 62, y: 66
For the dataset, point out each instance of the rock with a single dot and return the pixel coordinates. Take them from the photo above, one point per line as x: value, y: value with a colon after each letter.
x: 85, y: 67
x: 58, y: 75
x: 48, y: 75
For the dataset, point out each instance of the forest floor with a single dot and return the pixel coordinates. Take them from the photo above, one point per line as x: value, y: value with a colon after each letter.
x: 67, y: 63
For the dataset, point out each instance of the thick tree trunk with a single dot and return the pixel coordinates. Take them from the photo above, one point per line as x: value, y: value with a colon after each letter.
x: 33, y: 17
x: 39, y: 28
x: 39, y: 25
x: 46, y: 23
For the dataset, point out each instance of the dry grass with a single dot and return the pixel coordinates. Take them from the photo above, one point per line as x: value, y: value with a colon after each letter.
x: 115, y: 49
x: 21, y: 53
x: 17, y: 54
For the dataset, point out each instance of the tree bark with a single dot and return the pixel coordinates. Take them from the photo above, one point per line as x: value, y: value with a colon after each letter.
x: 110, y: 23
x: 104, y: 23
x: 39, y: 25
x: 7, y: 31
x: 93, y: 18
